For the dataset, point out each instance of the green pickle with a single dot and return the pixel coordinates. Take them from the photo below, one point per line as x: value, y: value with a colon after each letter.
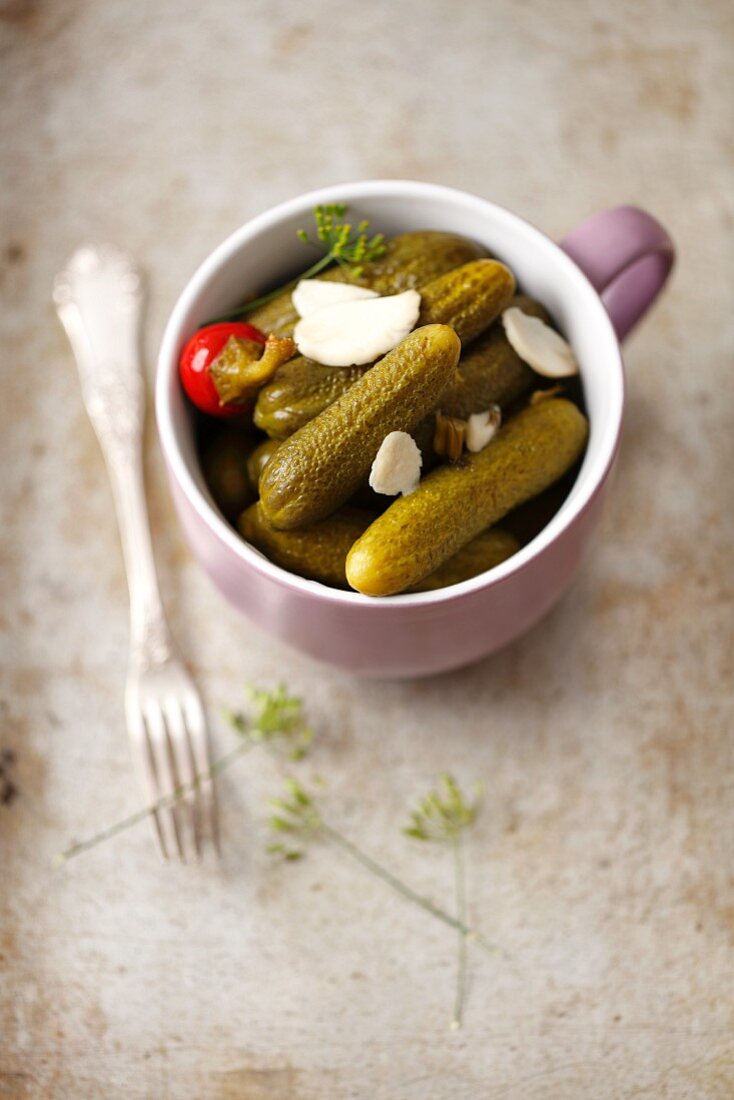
x: 482, y: 553
x: 224, y: 465
x: 258, y: 460
x: 456, y: 502
x: 530, y: 518
x: 468, y: 298
x: 316, y: 470
x: 490, y: 371
x: 299, y: 391
x: 319, y: 551
x: 408, y: 262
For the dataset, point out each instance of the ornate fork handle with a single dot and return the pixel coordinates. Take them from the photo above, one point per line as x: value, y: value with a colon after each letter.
x: 99, y: 298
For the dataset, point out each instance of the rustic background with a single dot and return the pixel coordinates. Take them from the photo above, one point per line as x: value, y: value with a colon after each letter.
x: 604, y: 859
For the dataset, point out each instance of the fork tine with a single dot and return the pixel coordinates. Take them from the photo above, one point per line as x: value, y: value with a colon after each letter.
x: 162, y: 758
x: 143, y: 760
x: 184, y: 766
x: 199, y: 741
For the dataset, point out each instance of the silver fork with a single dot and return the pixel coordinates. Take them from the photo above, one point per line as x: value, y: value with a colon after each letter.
x: 99, y: 298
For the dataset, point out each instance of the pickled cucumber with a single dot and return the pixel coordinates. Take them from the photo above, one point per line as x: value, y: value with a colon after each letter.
x: 454, y: 503
x: 490, y: 371
x: 482, y: 553
x: 468, y: 298
x: 319, y: 551
x: 224, y: 465
x: 258, y: 460
x: 530, y: 518
x: 324, y: 463
x: 300, y: 391
x: 408, y: 262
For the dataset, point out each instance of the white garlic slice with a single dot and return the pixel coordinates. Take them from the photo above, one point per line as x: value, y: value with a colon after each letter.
x: 397, y: 465
x: 355, y: 333
x: 311, y: 295
x: 538, y: 345
x: 481, y: 427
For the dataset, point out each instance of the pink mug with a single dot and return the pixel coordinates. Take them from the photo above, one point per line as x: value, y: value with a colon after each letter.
x: 597, y: 283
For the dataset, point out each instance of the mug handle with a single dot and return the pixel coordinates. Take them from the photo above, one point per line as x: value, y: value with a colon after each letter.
x: 627, y: 256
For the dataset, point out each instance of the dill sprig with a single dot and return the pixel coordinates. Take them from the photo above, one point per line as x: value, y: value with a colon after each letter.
x: 297, y: 821
x: 442, y: 817
x: 296, y: 818
x: 274, y: 721
x: 274, y: 718
x: 347, y: 245
x: 350, y: 247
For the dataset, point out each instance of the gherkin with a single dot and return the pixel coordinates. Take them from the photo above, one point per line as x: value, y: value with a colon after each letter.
x: 408, y: 262
x: 468, y: 298
x: 316, y: 470
x: 454, y: 503
x: 258, y: 460
x: 319, y: 551
x: 488, y: 549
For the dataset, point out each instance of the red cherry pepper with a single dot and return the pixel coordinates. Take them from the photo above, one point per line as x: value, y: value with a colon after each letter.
x: 197, y: 356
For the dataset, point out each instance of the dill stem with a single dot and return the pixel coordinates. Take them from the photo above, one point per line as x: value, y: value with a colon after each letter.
x: 162, y: 804
x: 402, y: 888
x: 460, y: 896
x: 263, y: 300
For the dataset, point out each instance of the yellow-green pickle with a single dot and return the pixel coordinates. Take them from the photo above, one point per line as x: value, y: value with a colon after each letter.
x: 299, y: 391
x: 224, y: 465
x: 316, y: 470
x: 320, y: 550
x: 490, y: 371
x: 468, y: 298
x: 454, y: 503
x: 409, y: 261
x: 258, y: 460
x: 482, y: 553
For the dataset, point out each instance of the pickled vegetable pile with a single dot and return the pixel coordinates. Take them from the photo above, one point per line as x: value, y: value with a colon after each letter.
x: 434, y: 404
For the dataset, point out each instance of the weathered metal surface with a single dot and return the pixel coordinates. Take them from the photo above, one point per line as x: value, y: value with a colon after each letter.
x: 603, y: 861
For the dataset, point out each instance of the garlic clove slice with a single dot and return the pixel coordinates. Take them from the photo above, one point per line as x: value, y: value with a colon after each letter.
x: 397, y: 465
x: 481, y: 428
x: 539, y: 345
x: 355, y: 333
x: 311, y: 295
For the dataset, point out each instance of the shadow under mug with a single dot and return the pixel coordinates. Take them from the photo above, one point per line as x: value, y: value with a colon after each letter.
x: 598, y: 282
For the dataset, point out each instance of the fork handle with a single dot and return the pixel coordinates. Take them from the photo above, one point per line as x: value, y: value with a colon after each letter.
x: 99, y: 299
x: 150, y: 639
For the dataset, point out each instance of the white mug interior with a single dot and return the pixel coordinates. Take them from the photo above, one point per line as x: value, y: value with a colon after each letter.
x: 265, y: 252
